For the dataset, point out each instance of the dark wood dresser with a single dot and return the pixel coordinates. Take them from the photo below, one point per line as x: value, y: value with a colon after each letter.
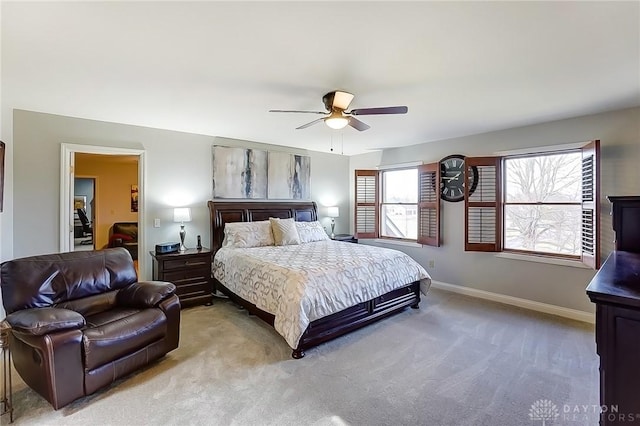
x: 190, y: 271
x: 615, y: 290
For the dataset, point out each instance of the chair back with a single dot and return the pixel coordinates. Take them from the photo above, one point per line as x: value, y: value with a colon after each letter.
x: 51, y: 279
x: 86, y: 224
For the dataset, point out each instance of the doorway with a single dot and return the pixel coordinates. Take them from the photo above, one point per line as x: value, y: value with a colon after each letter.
x: 100, y: 224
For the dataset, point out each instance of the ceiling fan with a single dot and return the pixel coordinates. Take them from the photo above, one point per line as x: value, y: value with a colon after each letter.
x: 337, y: 117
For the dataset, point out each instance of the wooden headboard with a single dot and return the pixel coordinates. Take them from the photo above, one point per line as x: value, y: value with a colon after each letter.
x: 221, y: 212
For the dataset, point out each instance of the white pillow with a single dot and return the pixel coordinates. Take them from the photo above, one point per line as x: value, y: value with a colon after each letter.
x: 247, y: 234
x: 311, y: 231
x: 284, y: 231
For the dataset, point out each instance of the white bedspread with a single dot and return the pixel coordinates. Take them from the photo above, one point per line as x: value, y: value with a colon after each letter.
x: 301, y: 283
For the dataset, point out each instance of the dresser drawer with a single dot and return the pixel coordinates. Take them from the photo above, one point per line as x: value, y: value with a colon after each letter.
x: 191, y: 262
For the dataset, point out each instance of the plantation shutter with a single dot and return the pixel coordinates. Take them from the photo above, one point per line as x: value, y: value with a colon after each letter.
x: 590, y: 232
x: 483, y: 207
x: 429, y: 204
x: 366, y: 214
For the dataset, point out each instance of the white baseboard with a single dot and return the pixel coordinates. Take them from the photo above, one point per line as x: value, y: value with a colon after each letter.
x: 516, y: 301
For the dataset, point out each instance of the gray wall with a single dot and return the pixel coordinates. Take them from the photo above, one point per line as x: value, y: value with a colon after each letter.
x: 619, y: 133
x: 178, y: 167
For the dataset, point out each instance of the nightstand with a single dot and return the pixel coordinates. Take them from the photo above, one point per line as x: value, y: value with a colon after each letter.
x: 190, y: 271
x: 346, y: 238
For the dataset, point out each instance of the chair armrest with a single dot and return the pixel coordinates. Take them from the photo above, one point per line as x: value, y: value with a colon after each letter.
x: 145, y: 294
x: 40, y: 321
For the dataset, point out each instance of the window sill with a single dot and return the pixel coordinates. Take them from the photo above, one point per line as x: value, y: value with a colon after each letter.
x: 543, y: 259
x: 394, y: 242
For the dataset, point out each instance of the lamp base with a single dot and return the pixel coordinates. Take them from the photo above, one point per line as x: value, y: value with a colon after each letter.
x: 183, y: 233
x: 333, y: 227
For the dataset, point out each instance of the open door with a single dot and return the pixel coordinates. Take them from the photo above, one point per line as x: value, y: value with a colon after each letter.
x: 68, y: 173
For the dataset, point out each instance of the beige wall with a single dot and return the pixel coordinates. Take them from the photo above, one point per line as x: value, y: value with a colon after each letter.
x: 114, y: 176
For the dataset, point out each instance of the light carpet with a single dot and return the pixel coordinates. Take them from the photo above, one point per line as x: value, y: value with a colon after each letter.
x: 456, y: 361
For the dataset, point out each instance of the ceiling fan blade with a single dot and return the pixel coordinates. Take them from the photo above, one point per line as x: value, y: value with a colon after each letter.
x: 380, y: 110
x: 304, y: 126
x: 302, y: 112
x: 357, y: 124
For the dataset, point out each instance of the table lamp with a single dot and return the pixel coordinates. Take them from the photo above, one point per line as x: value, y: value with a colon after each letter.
x: 333, y: 212
x: 182, y: 215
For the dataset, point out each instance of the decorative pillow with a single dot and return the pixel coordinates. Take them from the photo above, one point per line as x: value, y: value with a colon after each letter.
x: 247, y: 234
x: 284, y: 231
x: 311, y: 231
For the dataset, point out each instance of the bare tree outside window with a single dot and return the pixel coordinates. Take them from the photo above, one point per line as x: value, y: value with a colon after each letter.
x: 542, y: 208
x: 399, y: 206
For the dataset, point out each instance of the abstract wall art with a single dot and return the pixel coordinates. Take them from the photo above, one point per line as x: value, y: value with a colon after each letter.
x: 258, y: 174
x: 239, y: 172
x: 289, y: 176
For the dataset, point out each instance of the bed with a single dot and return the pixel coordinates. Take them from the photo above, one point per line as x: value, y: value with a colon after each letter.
x: 263, y: 278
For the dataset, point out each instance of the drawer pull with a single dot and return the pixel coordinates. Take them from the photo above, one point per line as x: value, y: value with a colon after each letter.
x: 187, y: 263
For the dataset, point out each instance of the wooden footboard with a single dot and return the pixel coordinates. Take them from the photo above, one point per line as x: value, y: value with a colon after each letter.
x: 350, y: 319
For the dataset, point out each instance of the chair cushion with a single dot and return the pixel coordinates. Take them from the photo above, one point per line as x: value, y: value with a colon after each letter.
x: 115, y: 333
x: 91, y: 305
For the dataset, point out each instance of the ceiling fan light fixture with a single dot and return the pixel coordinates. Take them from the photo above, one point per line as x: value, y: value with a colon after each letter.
x: 336, y: 123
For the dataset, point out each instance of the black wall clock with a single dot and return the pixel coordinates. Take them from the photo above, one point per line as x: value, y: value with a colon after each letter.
x: 452, y: 178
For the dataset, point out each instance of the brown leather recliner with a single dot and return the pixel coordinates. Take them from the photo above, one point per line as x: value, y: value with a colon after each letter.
x: 81, y: 320
x: 125, y: 234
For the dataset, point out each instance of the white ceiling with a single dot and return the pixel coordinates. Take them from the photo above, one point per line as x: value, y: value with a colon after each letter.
x: 216, y: 68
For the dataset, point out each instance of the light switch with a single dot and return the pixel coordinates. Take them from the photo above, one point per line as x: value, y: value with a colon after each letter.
x: 156, y: 222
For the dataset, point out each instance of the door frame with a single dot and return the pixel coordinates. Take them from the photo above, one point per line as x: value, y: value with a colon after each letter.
x: 67, y: 174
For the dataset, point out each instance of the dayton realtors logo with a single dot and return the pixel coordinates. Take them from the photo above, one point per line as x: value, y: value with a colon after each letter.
x: 544, y: 410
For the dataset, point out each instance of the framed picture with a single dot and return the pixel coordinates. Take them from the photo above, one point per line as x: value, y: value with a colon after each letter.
x: 79, y: 202
x: 134, y: 198
x: 1, y: 175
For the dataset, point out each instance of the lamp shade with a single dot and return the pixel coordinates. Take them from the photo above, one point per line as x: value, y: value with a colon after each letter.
x: 182, y: 214
x: 333, y: 212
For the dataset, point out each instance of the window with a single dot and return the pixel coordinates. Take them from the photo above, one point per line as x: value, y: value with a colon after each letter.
x: 400, y: 204
x: 542, y: 204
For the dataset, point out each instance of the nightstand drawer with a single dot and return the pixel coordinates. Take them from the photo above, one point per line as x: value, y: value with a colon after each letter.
x: 187, y: 276
x: 194, y: 289
x: 191, y: 262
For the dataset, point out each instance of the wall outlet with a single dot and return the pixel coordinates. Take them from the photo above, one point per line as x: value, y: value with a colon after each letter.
x: 432, y: 264
x: 156, y: 222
